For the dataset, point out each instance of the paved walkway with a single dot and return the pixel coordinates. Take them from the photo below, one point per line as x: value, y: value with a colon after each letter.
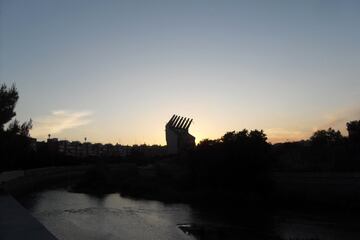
x: 17, y: 223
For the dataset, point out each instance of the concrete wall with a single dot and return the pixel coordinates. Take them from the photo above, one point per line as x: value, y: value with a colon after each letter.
x: 17, y: 224
x: 171, y: 141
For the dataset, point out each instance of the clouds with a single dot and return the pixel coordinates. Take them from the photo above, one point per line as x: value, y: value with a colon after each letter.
x: 57, y: 122
x: 60, y: 120
x: 276, y: 135
x: 336, y: 120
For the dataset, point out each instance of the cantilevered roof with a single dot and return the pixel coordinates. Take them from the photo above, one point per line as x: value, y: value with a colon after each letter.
x: 178, y: 122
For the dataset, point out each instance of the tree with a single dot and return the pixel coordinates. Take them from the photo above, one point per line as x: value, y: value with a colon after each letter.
x: 229, y: 137
x: 235, y: 161
x: 326, y: 137
x: 14, y: 141
x: 205, y: 143
x: 14, y: 127
x: 258, y: 136
x: 25, y: 128
x: 353, y: 128
x: 8, y: 99
x: 22, y: 130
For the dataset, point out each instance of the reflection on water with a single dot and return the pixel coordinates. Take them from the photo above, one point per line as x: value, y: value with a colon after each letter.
x: 81, y: 216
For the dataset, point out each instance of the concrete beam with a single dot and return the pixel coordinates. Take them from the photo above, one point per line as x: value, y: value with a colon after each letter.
x: 171, y: 120
x: 188, y: 125
x: 176, y: 121
x: 185, y: 123
x: 180, y: 122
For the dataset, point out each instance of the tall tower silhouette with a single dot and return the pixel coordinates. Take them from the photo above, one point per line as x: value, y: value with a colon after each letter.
x: 178, y: 138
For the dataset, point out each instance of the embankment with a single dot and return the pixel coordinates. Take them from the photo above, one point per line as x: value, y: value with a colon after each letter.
x: 316, y: 189
x: 25, y: 181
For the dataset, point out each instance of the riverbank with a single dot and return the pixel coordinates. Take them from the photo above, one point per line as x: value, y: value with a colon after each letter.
x: 172, y: 182
x: 22, y: 182
x: 313, y: 191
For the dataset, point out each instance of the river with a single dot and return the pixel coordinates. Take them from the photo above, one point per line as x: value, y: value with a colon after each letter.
x: 77, y: 216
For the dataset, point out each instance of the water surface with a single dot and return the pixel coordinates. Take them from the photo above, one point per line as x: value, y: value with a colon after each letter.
x: 77, y: 216
x: 81, y: 216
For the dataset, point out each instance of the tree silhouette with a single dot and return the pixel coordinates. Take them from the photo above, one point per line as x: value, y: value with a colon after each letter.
x: 14, y: 127
x: 353, y: 128
x: 14, y: 141
x: 23, y: 129
x: 8, y: 99
x: 231, y: 166
x: 326, y: 137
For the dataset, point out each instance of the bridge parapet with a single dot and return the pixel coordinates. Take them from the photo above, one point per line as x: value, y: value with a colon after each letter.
x: 17, y: 224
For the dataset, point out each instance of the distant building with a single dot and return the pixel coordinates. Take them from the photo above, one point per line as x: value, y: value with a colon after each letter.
x: 53, y: 144
x: 178, y: 138
x: 86, y: 149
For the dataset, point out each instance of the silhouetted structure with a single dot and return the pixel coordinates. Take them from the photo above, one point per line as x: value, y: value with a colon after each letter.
x: 178, y: 138
x: 86, y: 149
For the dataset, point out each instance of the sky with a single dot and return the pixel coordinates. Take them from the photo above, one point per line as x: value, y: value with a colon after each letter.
x: 116, y: 71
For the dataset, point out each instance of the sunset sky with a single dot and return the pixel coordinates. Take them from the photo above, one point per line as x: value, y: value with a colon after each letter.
x: 116, y: 71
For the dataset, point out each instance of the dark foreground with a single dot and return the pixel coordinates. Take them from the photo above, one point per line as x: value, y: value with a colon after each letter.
x: 17, y: 224
x: 111, y: 216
